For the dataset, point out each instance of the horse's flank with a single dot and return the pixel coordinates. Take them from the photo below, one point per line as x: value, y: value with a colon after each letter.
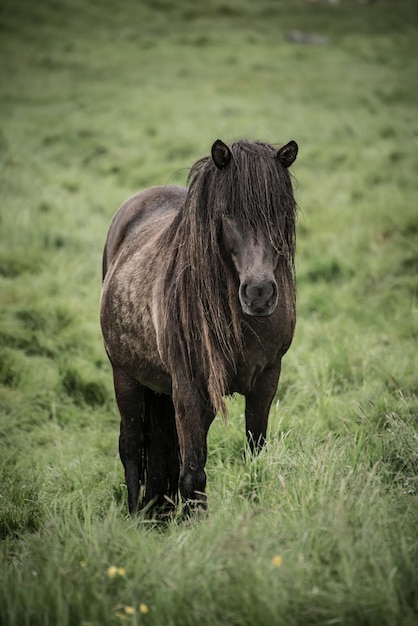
x: 133, y: 270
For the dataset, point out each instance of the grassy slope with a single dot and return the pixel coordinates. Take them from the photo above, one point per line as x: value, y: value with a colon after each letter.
x: 100, y: 99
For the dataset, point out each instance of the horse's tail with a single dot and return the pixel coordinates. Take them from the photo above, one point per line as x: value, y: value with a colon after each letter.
x: 160, y: 459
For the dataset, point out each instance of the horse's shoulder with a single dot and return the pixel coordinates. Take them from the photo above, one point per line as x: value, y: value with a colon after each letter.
x: 145, y: 207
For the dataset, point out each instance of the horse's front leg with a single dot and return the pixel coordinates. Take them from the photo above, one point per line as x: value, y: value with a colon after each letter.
x: 193, y: 421
x: 257, y: 407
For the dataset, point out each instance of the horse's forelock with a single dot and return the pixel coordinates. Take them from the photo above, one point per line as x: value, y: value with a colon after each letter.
x: 254, y: 190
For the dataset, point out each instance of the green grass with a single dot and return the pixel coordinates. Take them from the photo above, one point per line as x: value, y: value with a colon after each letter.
x: 100, y: 99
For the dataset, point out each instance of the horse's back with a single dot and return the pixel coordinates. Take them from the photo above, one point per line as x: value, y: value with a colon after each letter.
x: 136, y: 212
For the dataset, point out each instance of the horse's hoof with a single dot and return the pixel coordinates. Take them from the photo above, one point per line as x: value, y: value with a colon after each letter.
x: 195, y: 510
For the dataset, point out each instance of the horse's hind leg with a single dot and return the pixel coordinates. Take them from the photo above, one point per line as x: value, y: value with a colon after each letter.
x: 163, y: 460
x: 130, y: 400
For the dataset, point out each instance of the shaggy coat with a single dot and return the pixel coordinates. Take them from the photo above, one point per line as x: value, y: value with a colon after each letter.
x: 198, y: 302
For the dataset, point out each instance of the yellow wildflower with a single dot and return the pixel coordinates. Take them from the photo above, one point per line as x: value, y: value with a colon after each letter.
x: 277, y: 560
x: 143, y: 608
x: 112, y: 571
x: 120, y: 615
x: 129, y: 610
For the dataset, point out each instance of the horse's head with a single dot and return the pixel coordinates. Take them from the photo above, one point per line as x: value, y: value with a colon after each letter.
x: 249, y: 252
x: 254, y: 261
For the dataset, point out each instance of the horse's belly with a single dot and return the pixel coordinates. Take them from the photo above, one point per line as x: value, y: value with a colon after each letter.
x: 153, y: 378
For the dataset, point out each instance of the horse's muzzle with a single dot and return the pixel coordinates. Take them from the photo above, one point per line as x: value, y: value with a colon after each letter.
x: 258, y: 299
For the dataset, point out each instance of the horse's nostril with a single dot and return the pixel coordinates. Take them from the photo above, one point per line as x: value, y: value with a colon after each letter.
x: 258, y: 294
x: 261, y: 290
x: 255, y: 291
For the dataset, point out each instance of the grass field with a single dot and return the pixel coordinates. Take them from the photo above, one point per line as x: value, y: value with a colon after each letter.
x: 99, y: 99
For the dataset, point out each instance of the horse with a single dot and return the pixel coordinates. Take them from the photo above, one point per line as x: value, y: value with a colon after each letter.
x: 198, y: 303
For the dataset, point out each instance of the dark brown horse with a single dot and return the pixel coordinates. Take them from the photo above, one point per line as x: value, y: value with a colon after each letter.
x: 198, y: 302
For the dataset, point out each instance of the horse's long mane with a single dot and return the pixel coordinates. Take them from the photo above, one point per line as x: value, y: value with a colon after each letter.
x: 201, y: 331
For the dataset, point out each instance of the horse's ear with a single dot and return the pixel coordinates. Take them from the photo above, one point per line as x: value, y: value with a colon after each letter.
x: 288, y: 153
x: 221, y: 154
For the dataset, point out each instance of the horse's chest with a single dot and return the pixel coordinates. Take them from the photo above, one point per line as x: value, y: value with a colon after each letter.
x: 265, y: 342
x: 248, y: 367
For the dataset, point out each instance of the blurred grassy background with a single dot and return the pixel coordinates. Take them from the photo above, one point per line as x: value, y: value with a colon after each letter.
x: 99, y: 99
